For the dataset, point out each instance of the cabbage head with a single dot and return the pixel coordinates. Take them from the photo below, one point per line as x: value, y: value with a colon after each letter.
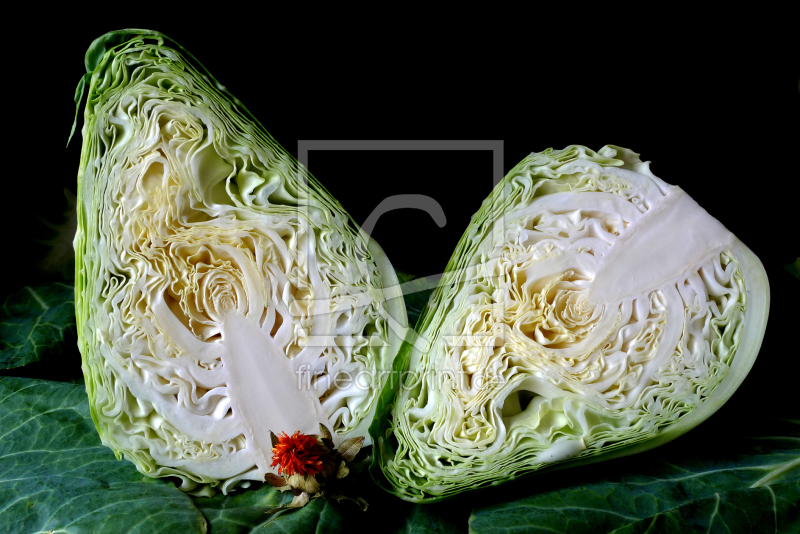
x: 590, y: 311
x: 221, y: 292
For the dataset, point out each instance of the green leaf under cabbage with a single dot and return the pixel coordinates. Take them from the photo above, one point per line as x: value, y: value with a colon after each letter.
x: 794, y: 268
x: 590, y: 311
x: 34, y: 322
x: 749, y: 485
x: 244, y: 513
x: 416, y: 293
x: 55, y: 475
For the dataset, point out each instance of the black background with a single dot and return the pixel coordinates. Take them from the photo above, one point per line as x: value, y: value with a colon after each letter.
x: 713, y: 105
x: 717, y: 115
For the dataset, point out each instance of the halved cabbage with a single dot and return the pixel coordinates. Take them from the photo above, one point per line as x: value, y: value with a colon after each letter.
x: 589, y: 311
x: 221, y: 292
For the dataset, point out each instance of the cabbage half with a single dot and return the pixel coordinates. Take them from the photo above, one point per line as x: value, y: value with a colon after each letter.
x: 221, y: 292
x: 590, y: 311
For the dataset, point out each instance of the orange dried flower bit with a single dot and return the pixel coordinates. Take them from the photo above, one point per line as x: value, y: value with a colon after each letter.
x: 297, y: 454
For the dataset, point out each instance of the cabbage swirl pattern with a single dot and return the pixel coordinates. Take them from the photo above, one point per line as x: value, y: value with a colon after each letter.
x: 221, y: 291
x: 589, y: 308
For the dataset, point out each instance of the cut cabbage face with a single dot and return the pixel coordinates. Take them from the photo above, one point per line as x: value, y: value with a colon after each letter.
x: 590, y: 311
x: 221, y: 292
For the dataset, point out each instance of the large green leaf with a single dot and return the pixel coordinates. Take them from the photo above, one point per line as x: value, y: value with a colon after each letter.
x: 416, y: 293
x: 55, y: 475
x: 245, y: 512
x: 33, y: 322
x: 794, y: 270
x: 746, y: 485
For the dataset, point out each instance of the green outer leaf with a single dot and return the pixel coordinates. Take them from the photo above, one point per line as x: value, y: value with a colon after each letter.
x: 56, y: 475
x: 794, y: 268
x: 749, y: 485
x: 245, y: 512
x: 113, y: 39
x: 34, y: 321
x: 94, y: 55
x: 415, y: 299
x: 64, y: 479
x: 415, y: 304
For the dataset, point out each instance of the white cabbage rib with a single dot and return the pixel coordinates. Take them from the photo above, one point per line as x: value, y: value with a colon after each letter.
x: 221, y: 293
x: 589, y: 308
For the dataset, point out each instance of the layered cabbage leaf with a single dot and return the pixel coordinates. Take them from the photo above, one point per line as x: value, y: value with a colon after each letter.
x: 221, y: 292
x: 590, y: 311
